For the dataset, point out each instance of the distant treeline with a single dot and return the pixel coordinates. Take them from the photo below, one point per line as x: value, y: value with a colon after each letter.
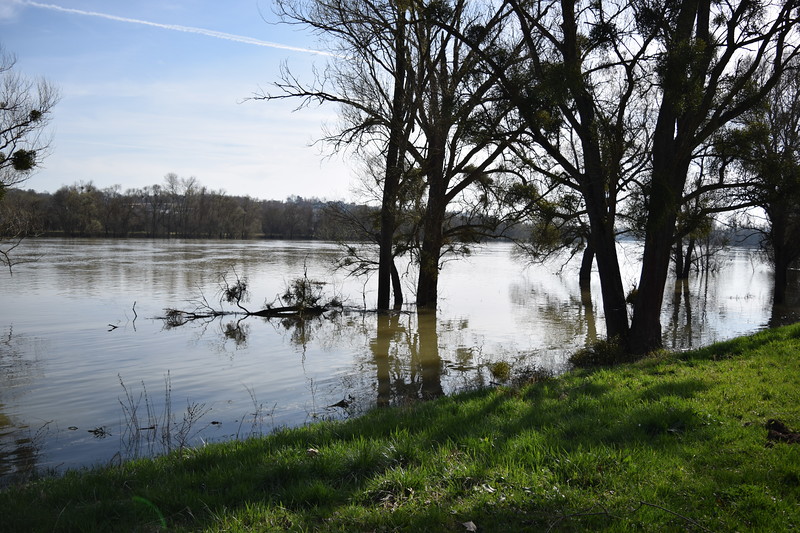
x: 183, y: 209
x: 179, y: 209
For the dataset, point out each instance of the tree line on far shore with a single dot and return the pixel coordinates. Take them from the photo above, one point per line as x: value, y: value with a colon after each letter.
x: 180, y: 208
x: 184, y: 208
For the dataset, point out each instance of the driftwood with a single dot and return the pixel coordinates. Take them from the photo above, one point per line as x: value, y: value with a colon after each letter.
x: 289, y: 311
x: 178, y: 317
x: 302, y: 294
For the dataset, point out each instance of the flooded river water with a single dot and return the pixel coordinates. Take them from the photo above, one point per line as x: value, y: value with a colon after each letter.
x: 90, y: 375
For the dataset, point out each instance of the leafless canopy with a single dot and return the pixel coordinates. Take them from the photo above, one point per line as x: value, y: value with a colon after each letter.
x: 25, y: 108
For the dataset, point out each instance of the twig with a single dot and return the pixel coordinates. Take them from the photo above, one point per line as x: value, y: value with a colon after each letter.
x: 589, y: 512
x: 686, y: 518
x: 604, y: 512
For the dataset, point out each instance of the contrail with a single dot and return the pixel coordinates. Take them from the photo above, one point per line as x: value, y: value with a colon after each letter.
x: 174, y: 27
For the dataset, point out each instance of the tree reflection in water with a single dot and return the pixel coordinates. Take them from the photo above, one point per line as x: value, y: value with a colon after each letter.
x: 404, y: 349
x: 388, y: 327
x: 787, y: 313
x: 19, y: 444
x: 682, y: 319
x: 426, y: 356
x: 406, y: 357
x: 586, y: 314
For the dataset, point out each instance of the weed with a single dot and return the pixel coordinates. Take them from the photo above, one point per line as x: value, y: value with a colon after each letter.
x: 149, y: 433
x: 501, y: 370
x: 605, y: 352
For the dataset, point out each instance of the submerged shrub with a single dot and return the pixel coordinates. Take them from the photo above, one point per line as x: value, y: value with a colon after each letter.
x: 501, y: 370
x: 604, y: 352
x: 531, y: 374
x: 303, y: 292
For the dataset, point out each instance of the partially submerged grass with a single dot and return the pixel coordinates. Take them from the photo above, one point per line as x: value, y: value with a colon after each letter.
x: 671, y: 443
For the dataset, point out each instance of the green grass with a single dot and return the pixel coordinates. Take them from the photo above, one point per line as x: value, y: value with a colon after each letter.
x: 671, y: 443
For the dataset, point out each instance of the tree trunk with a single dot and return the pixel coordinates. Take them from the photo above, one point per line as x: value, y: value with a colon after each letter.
x: 433, y: 230
x: 614, y: 305
x: 594, y: 180
x: 780, y: 256
x: 667, y: 186
x: 673, y: 145
x: 687, y: 261
x: 679, y: 260
x: 397, y: 288
x: 392, y: 181
x: 430, y: 252
x: 646, y: 323
x: 585, y: 274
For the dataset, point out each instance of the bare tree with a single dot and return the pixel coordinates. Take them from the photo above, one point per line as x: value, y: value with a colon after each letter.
x: 25, y: 107
x: 367, y: 77
x: 467, y: 131
x: 414, y: 94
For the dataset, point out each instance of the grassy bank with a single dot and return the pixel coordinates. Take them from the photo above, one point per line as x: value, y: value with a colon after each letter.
x: 671, y: 443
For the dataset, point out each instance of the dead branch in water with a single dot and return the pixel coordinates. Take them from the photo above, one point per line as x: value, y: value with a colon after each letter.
x: 303, y: 296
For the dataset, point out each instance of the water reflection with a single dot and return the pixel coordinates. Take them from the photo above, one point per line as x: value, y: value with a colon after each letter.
x: 387, y: 330
x: 586, y: 314
x: 788, y: 312
x: 567, y: 312
x: 236, y: 331
x: 682, y: 319
x: 19, y: 443
x: 19, y: 450
x: 66, y: 367
x: 425, y: 356
x: 405, y: 349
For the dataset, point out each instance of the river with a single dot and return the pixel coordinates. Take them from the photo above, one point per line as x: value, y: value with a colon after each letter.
x: 90, y: 375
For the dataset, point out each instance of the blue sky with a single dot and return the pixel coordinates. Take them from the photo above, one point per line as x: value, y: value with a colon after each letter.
x: 157, y: 86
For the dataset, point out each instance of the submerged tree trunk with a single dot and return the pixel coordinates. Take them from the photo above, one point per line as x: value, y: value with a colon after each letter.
x: 430, y: 253
x: 435, y: 211
x: 393, y: 171
x: 684, y: 258
x: 685, y: 103
x: 585, y: 274
x: 668, y: 180
x: 780, y: 255
x: 687, y: 262
x: 679, y: 260
x: 614, y: 306
x: 397, y: 288
x: 595, y: 180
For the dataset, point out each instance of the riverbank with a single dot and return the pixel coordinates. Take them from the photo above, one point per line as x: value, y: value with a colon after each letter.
x: 676, y: 442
